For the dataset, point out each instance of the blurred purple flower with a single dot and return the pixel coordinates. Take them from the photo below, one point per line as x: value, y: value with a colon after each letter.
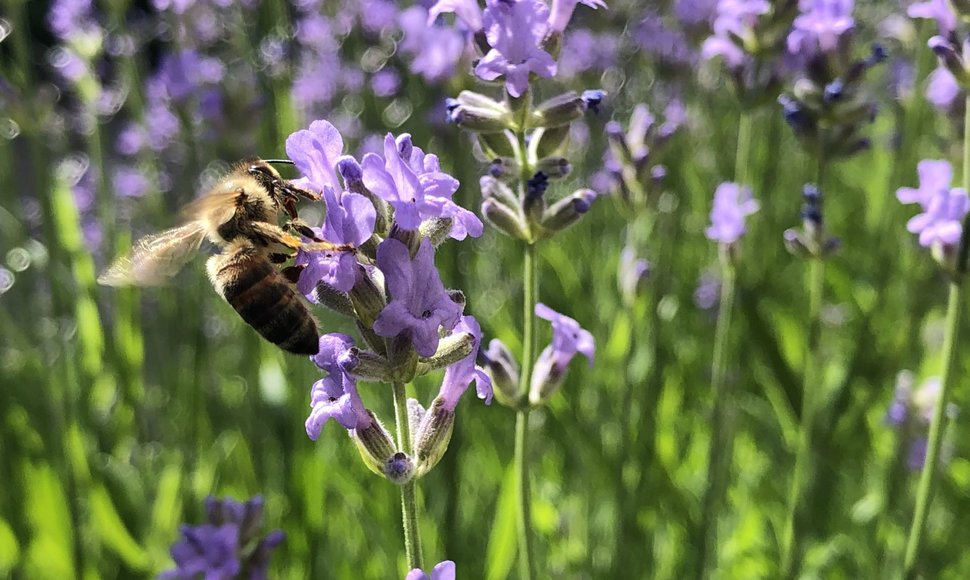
x: 732, y: 204
x: 695, y: 12
x: 127, y: 181
x: 583, y: 50
x: 461, y: 374
x: 442, y: 571
x: 315, y: 152
x: 335, y: 396
x: 376, y: 16
x: 419, y: 303
x: 385, y: 82
x: 708, y: 291
x: 562, y: 12
x: 68, y: 64
x: 911, y: 410
x: 414, y: 185
x: 467, y: 11
x: 939, y: 10
x: 631, y: 273
x: 942, y: 89
x: 941, y: 220
x: 820, y: 26
x: 434, y: 51
x: 184, y: 73
x: 162, y: 124
x: 653, y: 35
x: 734, y: 23
x: 207, y: 550
x: 934, y: 179
x: 515, y: 31
x: 70, y: 18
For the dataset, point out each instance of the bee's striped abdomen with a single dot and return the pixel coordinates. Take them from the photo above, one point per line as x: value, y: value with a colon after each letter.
x: 265, y: 300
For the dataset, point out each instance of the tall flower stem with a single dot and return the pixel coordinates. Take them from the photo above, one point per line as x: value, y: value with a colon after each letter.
x: 927, y: 478
x: 529, y: 339
x: 810, y: 384
x: 409, y: 503
x: 722, y: 436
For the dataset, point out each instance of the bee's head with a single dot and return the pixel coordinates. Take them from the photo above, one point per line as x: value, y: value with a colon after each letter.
x: 282, y: 191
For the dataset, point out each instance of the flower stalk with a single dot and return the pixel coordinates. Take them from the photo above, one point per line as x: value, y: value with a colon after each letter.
x: 409, y: 504
x: 529, y: 348
x: 927, y: 480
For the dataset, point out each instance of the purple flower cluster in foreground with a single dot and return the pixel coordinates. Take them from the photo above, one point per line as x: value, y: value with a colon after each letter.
x: 228, y: 545
x: 389, y: 211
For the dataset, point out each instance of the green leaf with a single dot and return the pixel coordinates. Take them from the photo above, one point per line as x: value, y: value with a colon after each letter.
x: 114, y: 534
x: 9, y: 548
x: 50, y: 554
x: 500, y: 553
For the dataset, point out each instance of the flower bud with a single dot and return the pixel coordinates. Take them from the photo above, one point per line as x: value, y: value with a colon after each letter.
x: 481, y: 120
x: 549, y: 142
x: 492, y: 187
x: 547, y: 377
x: 505, y: 219
x: 352, y: 174
x: 399, y: 468
x: 534, y: 204
x: 375, y: 445
x: 451, y: 349
x: 554, y: 167
x: 367, y: 298
x: 501, y: 366
x: 593, y: 99
x: 436, y: 230
x: 334, y: 299
x: 432, y: 436
x: 457, y: 296
x: 558, y: 111
x: 473, y: 99
x: 568, y: 210
x: 497, y: 145
x: 370, y: 367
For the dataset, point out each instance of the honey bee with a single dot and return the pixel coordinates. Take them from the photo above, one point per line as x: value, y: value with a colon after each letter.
x: 240, y: 215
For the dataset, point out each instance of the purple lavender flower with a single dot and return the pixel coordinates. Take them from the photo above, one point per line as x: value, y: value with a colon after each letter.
x: 515, y: 31
x: 708, y: 291
x: 442, y: 571
x: 935, y: 176
x: 227, y: 546
x: 653, y: 35
x: 734, y: 23
x: 911, y: 411
x: 70, y: 18
x: 350, y: 220
x: 385, y: 82
x: 435, y: 50
x: 942, y: 89
x: 562, y: 12
x: 315, y: 152
x: 461, y: 374
x: 732, y: 204
x: 568, y: 338
x: 941, y: 221
x: 467, y: 11
x: 939, y: 10
x: 414, y: 185
x: 820, y: 26
x: 184, y: 73
x: 335, y: 396
x: 695, y: 12
x: 419, y: 303
x: 129, y: 181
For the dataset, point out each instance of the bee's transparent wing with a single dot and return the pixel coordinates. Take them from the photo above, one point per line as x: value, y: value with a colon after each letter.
x: 155, y: 258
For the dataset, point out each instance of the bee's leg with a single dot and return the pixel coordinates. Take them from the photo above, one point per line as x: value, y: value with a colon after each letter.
x: 301, y: 227
x: 268, y: 233
x: 279, y: 257
x: 292, y: 273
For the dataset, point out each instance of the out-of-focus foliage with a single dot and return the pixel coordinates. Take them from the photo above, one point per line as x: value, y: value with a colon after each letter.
x: 120, y: 410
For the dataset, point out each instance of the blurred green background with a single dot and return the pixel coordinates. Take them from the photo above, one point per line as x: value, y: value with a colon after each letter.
x: 121, y: 410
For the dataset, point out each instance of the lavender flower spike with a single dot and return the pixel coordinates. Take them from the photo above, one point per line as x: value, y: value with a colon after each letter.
x: 732, y: 204
x: 419, y: 303
x: 442, y: 571
x: 515, y: 30
x: 568, y: 338
x: 562, y: 12
x: 941, y: 222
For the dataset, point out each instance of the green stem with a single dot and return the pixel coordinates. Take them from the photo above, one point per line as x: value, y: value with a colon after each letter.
x: 810, y: 384
x: 927, y: 479
x: 409, y: 503
x: 529, y: 347
x: 719, y: 457
x: 722, y: 436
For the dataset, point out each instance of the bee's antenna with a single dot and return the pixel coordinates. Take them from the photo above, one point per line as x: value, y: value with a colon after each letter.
x: 281, y: 161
